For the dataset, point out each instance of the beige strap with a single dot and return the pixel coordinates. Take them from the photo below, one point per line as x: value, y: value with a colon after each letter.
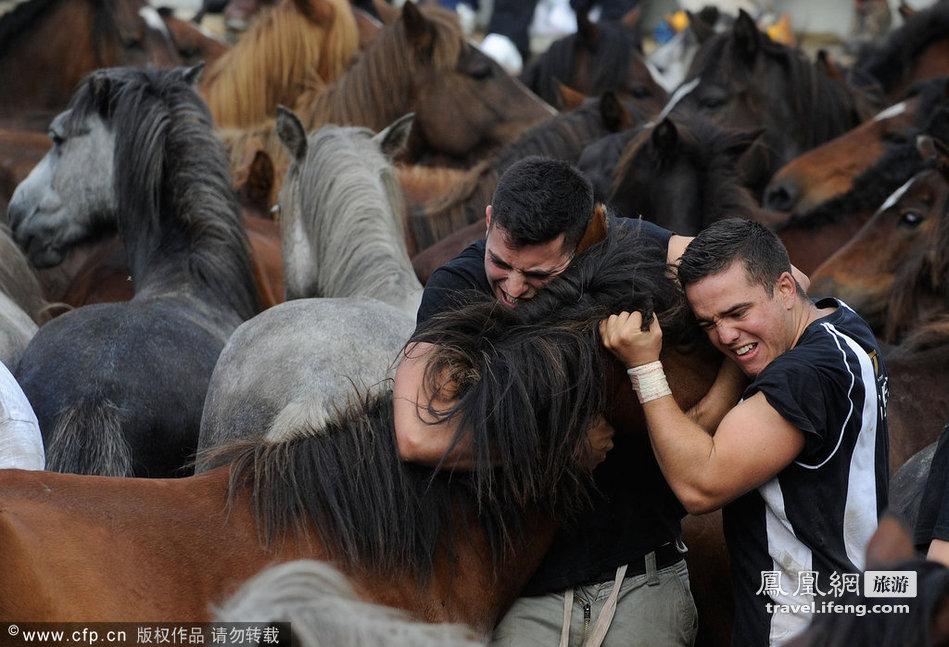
x: 605, y: 618
x: 567, y: 611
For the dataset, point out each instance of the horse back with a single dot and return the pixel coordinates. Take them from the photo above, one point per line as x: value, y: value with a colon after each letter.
x: 95, y: 548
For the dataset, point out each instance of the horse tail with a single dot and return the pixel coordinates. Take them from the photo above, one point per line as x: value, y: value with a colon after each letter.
x: 321, y: 608
x: 87, y: 439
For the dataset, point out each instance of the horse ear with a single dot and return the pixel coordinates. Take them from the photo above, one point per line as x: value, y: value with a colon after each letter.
x: 100, y: 87
x: 614, y: 114
x: 418, y: 29
x: 665, y: 136
x: 291, y: 132
x: 703, y: 23
x: 192, y: 74
x: 631, y: 19
x: 318, y: 12
x: 386, y: 12
x: 393, y: 138
x: 569, y: 97
x: 588, y: 32
x: 827, y: 66
x: 745, y: 37
x: 890, y: 544
x: 259, y: 184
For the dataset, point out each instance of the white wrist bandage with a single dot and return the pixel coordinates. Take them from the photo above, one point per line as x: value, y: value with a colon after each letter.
x: 649, y: 381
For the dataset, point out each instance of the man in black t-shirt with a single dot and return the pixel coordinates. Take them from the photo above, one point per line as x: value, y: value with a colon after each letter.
x: 932, y: 525
x: 800, y: 465
x: 626, y: 549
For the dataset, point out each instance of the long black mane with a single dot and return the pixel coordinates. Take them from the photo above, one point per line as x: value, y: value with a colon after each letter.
x: 528, y: 384
x: 895, y: 58
x: 172, y: 183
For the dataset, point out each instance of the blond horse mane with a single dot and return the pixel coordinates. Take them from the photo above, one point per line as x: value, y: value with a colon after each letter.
x: 299, y: 44
x: 376, y: 90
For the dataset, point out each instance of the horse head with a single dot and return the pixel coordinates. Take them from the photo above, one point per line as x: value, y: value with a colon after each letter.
x: 894, y: 271
x: 70, y: 193
x: 682, y: 174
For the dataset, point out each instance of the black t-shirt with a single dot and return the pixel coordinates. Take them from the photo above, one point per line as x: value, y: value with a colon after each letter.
x: 933, y: 520
x: 819, y: 512
x: 634, y: 511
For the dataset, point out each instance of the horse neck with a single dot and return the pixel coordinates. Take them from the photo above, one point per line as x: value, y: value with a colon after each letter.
x: 178, y: 217
x: 375, y: 91
x: 352, y: 224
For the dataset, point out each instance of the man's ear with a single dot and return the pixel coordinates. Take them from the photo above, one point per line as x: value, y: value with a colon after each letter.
x: 487, y: 217
x: 787, y: 286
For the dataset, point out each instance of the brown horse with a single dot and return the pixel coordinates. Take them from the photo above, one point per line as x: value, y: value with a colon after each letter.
x: 288, y: 49
x: 465, y: 105
x: 895, y: 271
x: 446, y: 547
x: 828, y: 171
x: 193, y: 43
x: 48, y: 46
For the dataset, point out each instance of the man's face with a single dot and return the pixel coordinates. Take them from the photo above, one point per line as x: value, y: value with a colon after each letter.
x: 742, y: 321
x: 517, y: 273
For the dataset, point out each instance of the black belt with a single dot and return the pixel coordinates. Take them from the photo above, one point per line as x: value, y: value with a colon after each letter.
x: 666, y: 555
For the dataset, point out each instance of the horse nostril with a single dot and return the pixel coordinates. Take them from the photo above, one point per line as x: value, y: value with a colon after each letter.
x: 780, y: 197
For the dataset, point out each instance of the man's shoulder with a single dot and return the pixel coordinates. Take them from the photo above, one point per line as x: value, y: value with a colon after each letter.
x: 464, y: 272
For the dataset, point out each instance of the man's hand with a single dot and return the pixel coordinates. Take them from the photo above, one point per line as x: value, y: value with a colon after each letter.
x: 599, y: 442
x: 624, y: 336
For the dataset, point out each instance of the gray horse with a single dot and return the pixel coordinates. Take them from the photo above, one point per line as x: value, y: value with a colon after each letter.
x: 291, y: 366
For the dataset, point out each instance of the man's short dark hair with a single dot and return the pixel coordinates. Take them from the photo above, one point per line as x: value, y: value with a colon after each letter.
x: 722, y: 243
x: 537, y: 199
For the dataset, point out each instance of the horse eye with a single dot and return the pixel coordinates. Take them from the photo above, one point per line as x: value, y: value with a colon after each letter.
x: 711, y: 102
x: 911, y: 219
x: 56, y: 138
x: 640, y: 92
x: 895, y: 138
x: 275, y: 211
x: 480, y: 71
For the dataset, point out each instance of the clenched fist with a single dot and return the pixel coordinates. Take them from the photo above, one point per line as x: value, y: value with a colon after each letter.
x: 624, y: 336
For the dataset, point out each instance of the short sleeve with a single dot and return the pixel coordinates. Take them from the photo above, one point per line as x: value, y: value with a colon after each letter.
x: 437, y: 295
x: 800, y: 393
x: 647, y: 230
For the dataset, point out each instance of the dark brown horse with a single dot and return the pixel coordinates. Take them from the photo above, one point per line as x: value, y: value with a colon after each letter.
x: 194, y: 44
x: 48, y: 46
x: 746, y: 80
x: 446, y: 547
x: 596, y: 58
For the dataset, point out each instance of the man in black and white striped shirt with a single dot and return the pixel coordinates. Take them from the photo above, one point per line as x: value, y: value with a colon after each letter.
x: 800, y: 465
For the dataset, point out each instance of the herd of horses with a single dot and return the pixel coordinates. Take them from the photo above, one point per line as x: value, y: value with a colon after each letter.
x: 209, y: 273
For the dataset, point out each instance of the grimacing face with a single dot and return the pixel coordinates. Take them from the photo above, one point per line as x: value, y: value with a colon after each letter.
x: 741, y: 320
x: 517, y: 273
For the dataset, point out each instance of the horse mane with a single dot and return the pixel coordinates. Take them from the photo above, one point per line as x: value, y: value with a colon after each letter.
x: 353, y: 208
x: 899, y: 163
x: 290, y: 47
x: 889, y: 62
x: 377, y: 87
x: 171, y: 173
x: 18, y: 281
x: 706, y: 145
x: 827, y: 107
x: 529, y: 382
x: 923, y: 340
x: 461, y: 205
x: 615, y: 48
